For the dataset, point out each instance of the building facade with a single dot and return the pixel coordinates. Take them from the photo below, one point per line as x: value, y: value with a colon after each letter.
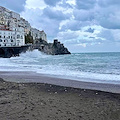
x: 11, y: 38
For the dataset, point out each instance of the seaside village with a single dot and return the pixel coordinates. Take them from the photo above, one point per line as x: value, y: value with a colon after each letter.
x: 14, y: 29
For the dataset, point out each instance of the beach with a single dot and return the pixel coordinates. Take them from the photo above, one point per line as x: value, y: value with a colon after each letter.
x: 29, y: 96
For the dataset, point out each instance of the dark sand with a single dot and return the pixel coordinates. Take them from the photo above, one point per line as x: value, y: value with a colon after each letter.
x: 41, y: 78
x: 41, y: 101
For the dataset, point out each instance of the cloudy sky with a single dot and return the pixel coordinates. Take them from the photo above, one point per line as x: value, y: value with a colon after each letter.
x: 82, y: 25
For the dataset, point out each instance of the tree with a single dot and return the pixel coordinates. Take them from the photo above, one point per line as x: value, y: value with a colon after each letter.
x: 28, y: 38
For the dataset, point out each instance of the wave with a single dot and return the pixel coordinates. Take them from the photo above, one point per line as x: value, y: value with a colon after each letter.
x: 85, y: 67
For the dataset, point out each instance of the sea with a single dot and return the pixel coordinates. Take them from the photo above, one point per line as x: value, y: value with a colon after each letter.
x: 88, y: 67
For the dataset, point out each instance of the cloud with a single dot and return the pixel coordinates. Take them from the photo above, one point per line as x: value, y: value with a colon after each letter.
x: 106, y: 3
x: 34, y: 4
x: 55, y: 14
x: 15, y: 5
x: 111, y: 22
x: 85, y: 4
x: 71, y: 25
x: 83, y: 15
x: 90, y: 30
x: 51, y: 2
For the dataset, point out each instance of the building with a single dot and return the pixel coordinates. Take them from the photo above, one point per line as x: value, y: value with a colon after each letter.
x: 37, y: 34
x: 18, y: 27
x: 11, y: 38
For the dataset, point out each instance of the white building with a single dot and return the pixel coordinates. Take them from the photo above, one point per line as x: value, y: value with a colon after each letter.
x: 43, y: 35
x: 11, y: 38
x: 38, y: 34
x: 15, y: 15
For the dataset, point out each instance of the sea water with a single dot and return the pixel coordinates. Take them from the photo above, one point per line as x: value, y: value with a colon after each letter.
x: 95, y: 67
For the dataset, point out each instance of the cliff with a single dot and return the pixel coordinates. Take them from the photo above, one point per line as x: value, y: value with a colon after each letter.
x: 55, y: 48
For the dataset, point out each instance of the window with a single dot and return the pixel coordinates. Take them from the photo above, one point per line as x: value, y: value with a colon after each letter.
x: 4, y: 40
x: 0, y: 40
x: 21, y: 37
x: 4, y: 36
x: 0, y: 44
x: 0, y: 36
x: 11, y: 40
x: 18, y: 36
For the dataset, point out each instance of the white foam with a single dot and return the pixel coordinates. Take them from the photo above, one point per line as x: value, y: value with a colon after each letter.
x: 46, y: 64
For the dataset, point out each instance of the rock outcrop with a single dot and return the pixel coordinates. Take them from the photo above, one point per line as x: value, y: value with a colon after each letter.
x: 55, y: 48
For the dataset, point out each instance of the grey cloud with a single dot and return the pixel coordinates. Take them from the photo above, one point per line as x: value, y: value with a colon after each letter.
x: 109, y: 24
x: 92, y: 37
x: 72, y: 25
x: 85, y: 4
x: 15, y: 5
x: 68, y: 37
x: 75, y: 25
x: 106, y: 34
x: 106, y: 3
x: 83, y: 15
x: 52, y: 2
x: 55, y: 14
x: 108, y: 17
x: 90, y: 30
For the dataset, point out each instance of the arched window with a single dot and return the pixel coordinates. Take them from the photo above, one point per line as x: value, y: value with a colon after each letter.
x: 0, y: 40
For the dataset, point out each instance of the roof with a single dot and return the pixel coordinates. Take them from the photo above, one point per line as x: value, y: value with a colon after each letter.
x: 4, y: 30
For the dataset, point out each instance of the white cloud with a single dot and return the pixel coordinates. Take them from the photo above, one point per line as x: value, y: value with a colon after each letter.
x: 33, y: 4
x: 71, y: 2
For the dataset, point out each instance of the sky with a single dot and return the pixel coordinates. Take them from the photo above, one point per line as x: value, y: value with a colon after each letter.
x: 81, y: 25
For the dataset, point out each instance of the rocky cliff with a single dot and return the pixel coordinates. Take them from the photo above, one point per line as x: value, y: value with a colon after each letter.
x: 55, y: 48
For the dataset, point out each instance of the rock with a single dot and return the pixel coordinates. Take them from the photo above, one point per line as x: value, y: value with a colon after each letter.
x: 55, y: 48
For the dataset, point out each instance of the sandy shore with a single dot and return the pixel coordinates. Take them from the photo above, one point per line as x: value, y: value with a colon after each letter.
x: 41, y: 78
x: 41, y: 101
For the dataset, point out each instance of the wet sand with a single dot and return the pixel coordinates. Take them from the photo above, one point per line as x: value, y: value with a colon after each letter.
x: 45, y: 101
x: 26, y: 77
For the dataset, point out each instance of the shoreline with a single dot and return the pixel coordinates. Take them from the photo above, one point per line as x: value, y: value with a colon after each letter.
x: 43, y: 100
x: 32, y: 77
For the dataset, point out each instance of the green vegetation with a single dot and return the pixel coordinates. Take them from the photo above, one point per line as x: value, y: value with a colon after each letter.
x: 28, y: 38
